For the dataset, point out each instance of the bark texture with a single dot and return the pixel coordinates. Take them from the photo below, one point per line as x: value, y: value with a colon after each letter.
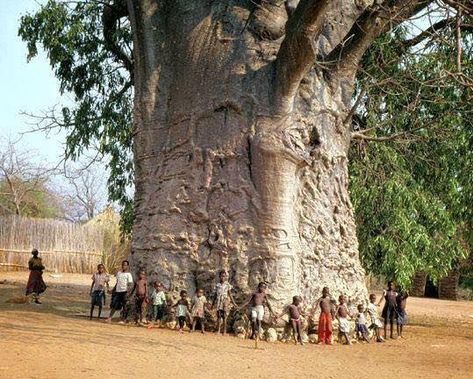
x: 448, y: 286
x: 241, y: 164
x: 418, y: 284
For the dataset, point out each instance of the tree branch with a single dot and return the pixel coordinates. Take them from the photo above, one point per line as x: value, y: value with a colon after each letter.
x: 373, y: 21
x: 361, y: 136
x: 111, y: 14
x: 461, y: 5
x: 297, y: 52
x: 429, y: 32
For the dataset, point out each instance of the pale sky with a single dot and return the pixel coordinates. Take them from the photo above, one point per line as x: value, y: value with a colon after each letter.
x: 29, y: 87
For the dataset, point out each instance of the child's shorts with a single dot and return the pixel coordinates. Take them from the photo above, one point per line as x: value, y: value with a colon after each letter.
x: 118, y: 300
x: 159, y: 312
x: 257, y: 313
x: 343, y: 325
x: 98, y: 298
x: 361, y: 328
x: 401, y: 317
x: 182, y: 321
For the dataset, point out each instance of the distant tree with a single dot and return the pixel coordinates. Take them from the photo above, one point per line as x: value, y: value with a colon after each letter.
x: 84, y: 192
x: 24, y: 184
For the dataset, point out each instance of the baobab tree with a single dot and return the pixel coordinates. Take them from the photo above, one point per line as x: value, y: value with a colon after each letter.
x: 242, y: 123
x: 242, y: 128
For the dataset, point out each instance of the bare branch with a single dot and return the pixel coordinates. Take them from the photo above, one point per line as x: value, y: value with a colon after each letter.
x: 461, y: 5
x: 362, y: 136
x: 431, y: 31
x: 297, y: 52
x: 459, y: 42
x: 372, y: 22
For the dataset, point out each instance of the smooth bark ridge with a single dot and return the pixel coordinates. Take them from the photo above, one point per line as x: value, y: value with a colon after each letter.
x: 241, y: 144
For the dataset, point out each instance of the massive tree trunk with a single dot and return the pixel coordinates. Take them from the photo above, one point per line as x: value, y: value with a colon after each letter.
x: 241, y: 144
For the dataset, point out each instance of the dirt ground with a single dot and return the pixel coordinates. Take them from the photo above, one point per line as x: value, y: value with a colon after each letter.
x: 55, y: 340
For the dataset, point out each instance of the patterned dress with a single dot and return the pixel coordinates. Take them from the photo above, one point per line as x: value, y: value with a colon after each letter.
x: 222, y: 296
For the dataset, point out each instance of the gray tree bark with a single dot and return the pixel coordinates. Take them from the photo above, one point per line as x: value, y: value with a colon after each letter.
x: 241, y: 140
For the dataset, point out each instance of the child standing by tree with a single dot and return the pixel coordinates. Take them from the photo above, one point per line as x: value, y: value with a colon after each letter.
x: 375, y: 322
x: 343, y: 323
x: 199, y: 302
x: 141, y: 298
x: 257, y: 301
x: 326, y: 304
x: 401, y: 301
x: 390, y: 308
x: 222, y: 300
x: 120, y: 292
x: 182, y: 310
x: 294, y: 312
x: 158, y: 300
x: 100, y: 280
x: 360, y: 322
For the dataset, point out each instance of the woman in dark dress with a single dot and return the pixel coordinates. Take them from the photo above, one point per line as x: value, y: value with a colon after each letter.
x: 389, y: 312
x: 35, y: 285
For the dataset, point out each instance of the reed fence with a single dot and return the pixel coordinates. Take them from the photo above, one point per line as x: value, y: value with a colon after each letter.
x: 64, y: 246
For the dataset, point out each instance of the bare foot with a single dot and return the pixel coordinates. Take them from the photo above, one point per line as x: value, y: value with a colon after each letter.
x: 108, y: 320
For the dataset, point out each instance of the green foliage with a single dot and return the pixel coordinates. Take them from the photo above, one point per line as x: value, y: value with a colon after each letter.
x: 100, y: 115
x: 413, y: 191
x: 412, y: 194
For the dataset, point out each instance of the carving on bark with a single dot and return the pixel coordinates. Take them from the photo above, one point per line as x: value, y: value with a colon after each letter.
x: 241, y: 144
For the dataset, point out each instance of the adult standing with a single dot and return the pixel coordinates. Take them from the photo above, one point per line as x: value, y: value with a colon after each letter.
x: 35, y: 285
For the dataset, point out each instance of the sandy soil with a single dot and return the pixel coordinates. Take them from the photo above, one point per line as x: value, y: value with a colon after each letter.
x: 55, y: 340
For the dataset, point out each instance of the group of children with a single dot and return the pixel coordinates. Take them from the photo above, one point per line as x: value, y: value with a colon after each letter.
x: 194, y: 311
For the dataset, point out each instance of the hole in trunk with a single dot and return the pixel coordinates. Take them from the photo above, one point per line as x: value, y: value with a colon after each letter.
x: 314, y: 138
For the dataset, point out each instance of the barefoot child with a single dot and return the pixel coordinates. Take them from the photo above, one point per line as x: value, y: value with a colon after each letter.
x: 375, y: 321
x: 360, y: 322
x: 343, y: 323
x: 222, y: 299
x: 390, y: 308
x: 100, y: 280
x: 326, y: 316
x: 401, y: 301
x: 199, y: 302
x: 158, y: 300
x: 182, y: 310
x: 120, y: 292
x: 294, y: 312
x: 141, y: 298
x: 257, y: 302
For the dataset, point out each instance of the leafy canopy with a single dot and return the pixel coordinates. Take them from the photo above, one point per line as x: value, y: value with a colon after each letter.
x: 411, y: 164
x: 100, y: 114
